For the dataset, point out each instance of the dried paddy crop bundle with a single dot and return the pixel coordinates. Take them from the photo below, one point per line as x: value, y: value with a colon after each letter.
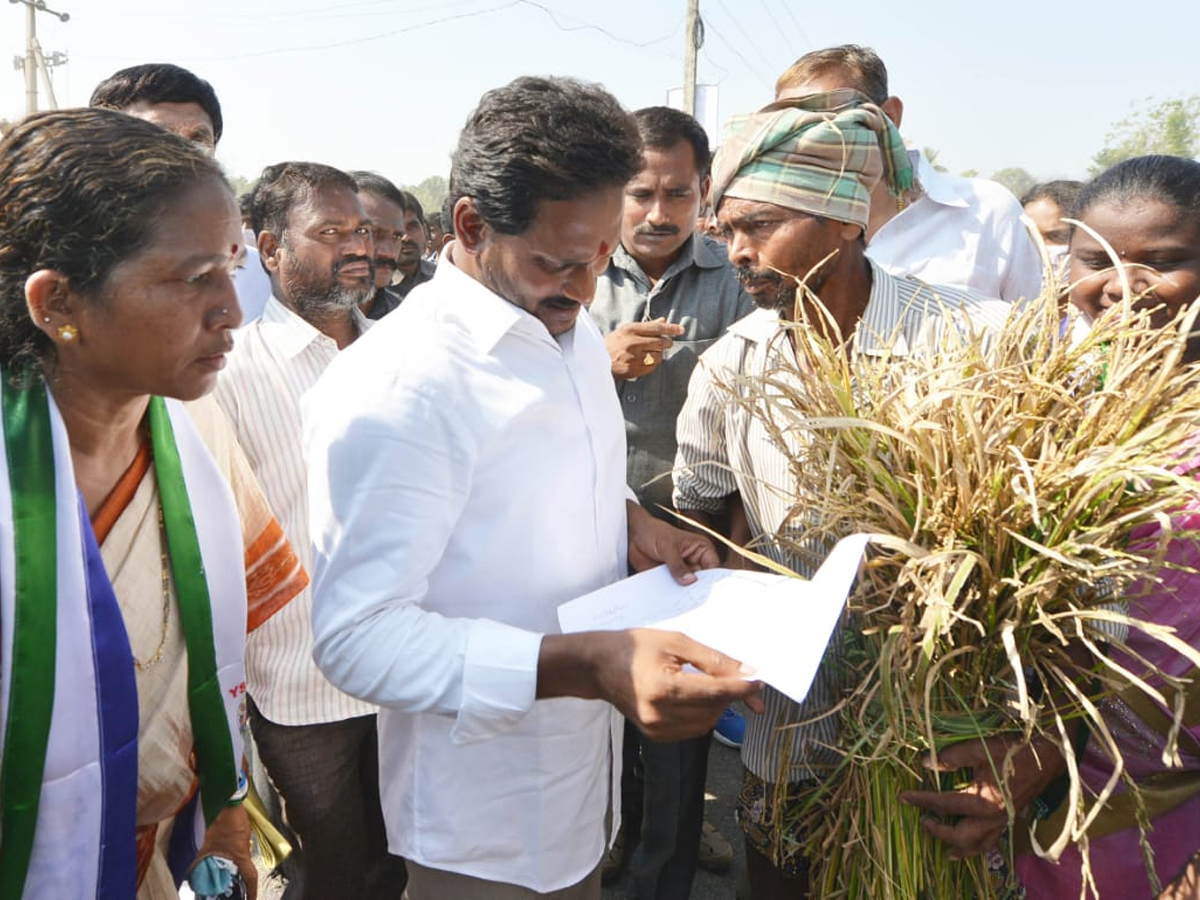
x: 1011, y: 477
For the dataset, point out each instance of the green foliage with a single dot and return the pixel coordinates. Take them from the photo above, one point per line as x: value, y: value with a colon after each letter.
x: 431, y: 193
x: 1015, y: 179
x: 241, y: 185
x: 1170, y: 126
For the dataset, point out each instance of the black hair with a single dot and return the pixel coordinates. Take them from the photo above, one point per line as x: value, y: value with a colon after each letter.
x: 246, y: 206
x: 1062, y: 192
x: 539, y: 139
x: 413, y: 205
x: 662, y: 128
x: 159, y: 83
x: 377, y: 186
x: 80, y: 191
x: 288, y: 184
x: 1172, y: 180
x: 864, y: 70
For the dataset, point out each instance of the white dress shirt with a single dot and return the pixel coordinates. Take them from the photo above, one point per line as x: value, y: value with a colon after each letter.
x: 962, y: 232
x: 467, y: 475
x: 274, y: 361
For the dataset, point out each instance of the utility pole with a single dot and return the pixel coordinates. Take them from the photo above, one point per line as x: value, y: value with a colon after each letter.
x: 692, y: 33
x: 34, y: 61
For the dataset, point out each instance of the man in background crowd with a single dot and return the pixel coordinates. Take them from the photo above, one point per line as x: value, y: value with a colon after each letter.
x: 413, y: 268
x: 386, y: 207
x: 319, y: 745
x: 665, y: 296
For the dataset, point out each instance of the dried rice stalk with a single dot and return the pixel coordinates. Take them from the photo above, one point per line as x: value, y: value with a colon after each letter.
x: 1005, y: 475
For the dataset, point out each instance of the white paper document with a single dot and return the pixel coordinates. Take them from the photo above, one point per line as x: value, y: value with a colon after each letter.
x: 776, y: 624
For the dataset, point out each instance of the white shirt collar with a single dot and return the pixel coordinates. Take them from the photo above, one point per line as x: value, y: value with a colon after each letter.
x: 292, y: 334
x: 480, y: 311
x: 937, y: 187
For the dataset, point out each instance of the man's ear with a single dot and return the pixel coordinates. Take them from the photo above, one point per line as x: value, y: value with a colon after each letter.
x: 850, y: 231
x: 49, y: 302
x: 893, y: 108
x: 470, y: 230
x: 268, y: 249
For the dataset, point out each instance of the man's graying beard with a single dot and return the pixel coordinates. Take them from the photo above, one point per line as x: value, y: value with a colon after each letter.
x: 332, y: 295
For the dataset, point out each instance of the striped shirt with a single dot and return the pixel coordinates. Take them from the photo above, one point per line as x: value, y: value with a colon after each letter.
x: 275, y: 361
x: 725, y: 448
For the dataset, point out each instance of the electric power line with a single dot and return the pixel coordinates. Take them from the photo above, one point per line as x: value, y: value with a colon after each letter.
x: 779, y: 31
x: 799, y: 28
x: 583, y: 26
x: 738, y: 53
x: 737, y: 23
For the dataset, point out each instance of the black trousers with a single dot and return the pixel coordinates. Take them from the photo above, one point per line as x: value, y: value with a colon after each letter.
x: 328, y: 778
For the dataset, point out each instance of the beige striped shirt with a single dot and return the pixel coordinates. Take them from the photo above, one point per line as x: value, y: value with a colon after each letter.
x: 275, y: 361
x: 724, y: 448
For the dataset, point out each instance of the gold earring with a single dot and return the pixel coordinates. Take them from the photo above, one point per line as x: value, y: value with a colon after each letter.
x: 67, y: 333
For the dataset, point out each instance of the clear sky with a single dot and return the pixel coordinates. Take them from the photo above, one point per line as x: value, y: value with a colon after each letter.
x: 386, y: 84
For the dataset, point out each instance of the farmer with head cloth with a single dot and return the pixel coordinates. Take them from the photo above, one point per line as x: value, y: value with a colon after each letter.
x: 792, y: 190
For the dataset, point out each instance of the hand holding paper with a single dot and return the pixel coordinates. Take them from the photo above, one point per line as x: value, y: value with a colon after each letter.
x: 777, y: 625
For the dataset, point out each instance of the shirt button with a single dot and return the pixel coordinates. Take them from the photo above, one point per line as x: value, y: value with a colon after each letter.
x: 631, y: 398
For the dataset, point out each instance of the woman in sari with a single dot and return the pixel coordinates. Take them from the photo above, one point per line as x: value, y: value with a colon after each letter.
x: 135, y: 547
x: 1148, y: 211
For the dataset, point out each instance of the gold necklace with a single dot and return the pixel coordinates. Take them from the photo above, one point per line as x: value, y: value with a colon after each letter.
x: 165, y: 570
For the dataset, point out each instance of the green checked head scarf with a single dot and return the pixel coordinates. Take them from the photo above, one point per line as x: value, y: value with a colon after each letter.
x: 821, y: 154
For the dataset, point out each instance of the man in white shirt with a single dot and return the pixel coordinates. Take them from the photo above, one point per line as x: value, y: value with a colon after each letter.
x: 965, y: 232
x: 467, y: 476
x: 318, y: 745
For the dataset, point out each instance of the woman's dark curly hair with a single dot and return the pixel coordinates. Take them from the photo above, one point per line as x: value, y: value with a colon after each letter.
x: 80, y: 191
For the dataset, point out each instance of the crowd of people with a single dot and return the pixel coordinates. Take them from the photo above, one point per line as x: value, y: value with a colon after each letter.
x: 294, y: 484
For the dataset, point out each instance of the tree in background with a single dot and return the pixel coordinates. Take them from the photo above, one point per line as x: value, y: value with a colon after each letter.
x: 241, y: 185
x: 1015, y: 179
x: 431, y: 192
x: 1171, y: 127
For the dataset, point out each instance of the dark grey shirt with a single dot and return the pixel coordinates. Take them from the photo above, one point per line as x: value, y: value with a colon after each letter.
x: 698, y: 291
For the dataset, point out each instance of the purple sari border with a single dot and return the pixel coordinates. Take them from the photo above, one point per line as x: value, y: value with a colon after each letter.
x: 117, y: 705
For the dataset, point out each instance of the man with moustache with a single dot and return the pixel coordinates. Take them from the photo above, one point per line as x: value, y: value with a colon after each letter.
x: 665, y: 296
x: 413, y: 268
x: 318, y: 745
x: 792, y: 189
x: 386, y: 207
x: 466, y: 478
